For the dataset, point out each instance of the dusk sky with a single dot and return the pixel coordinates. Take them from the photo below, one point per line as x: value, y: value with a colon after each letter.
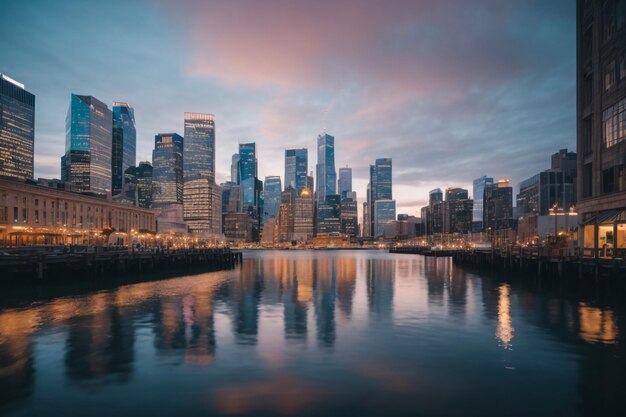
x: 451, y: 90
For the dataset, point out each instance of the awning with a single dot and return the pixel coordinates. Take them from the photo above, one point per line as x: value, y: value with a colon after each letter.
x: 609, y: 216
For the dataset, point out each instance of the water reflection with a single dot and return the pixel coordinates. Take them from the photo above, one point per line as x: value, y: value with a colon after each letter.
x: 295, y: 332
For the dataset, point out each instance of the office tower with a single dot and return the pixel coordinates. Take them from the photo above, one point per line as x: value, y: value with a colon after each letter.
x: 124, y: 143
x: 167, y: 174
x: 498, y: 206
x: 296, y: 164
x: 310, y: 183
x: 566, y: 162
x: 344, y: 184
x: 365, y: 232
x: 349, y: 214
x: 326, y: 174
x: 251, y: 186
x: 199, y: 150
x: 385, y: 213
x: 286, y: 215
x: 238, y: 227
x: 480, y: 186
x: 88, y: 145
x: 456, y: 194
x: 271, y: 197
x: 328, y: 215
x: 234, y: 169
x: 459, y: 211
x: 379, y: 187
x: 231, y: 197
x: 138, y: 187
x: 17, y: 130
x: 202, y: 198
x: 303, y: 226
x: 539, y: 193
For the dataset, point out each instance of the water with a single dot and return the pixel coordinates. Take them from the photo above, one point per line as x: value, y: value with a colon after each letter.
x: 333, y: 333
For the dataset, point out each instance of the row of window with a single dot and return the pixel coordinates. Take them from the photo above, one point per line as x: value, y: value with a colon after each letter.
x: 614, y: 72
x: 614, y: 124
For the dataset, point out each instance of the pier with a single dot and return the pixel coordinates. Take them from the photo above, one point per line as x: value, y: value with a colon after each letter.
x: 535, y: 260
x: 53, y: 264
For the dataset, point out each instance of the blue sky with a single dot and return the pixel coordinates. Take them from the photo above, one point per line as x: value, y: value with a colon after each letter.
x: 451, y: 90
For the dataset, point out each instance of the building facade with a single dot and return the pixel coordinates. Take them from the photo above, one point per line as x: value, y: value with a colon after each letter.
x: 344, y: 183
x: 480, y: 186
x: 88, y: 145
x: 167, y: 163
x: 296, y: 165
x: 326, y: 173
x: 385, y: 214
x: 271, y: 197
x: 17, y: 130
x: 498, y: 211
x: 251, y: 186
x: 124, y: 143
x: 303, y: 226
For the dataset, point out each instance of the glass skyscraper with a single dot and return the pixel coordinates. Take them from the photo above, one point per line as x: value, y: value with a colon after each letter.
x: 480, y: 185
x: 385, y: 213
x: 271, y: 197
x: 167, y: 174
x: 296, y: 164
x: 380, y: 188
x: 124, y: 148
x: 345, y: 181
x: 88, y: 145
x: 251, y: 186
x: 17, y: 130
x: 326, y: 174
x: 199, y: 152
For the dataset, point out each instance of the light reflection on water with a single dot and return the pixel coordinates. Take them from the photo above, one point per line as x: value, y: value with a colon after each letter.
x: 320, y: 333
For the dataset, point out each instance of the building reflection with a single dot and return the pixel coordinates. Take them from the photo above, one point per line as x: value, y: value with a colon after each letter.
x: 324, y: 285
x: 246, y: 295
x: 436, y: 271
x: 346, y: 283
x: 457, y: 291
x: 297, y: 294
x: 596, y: 325
x: 504, y: 331
x: 380, y: 278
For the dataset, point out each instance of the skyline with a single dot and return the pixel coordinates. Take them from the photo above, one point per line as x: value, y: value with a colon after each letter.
x: 286, y: 103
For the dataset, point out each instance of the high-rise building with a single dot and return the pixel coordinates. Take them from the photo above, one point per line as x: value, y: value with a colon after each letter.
x: 344, y: 184
x: 328, y: 215
x: 365, y: 232
x: 459, y: 211
x: 456, y: 194
x: 167, y: 174
x: 138, y: 187
x: 326, y: 174
x: 199, y: 151
x: 379, y: 188
x: 303, y: 226
x: 498, y: 206
x: 124, y: 145
x: 17, y: 130
x: 296, y: 164
x: 601, y: 125
x: 231, y: 197
x: 310, y: 183
x: 480, y: 186
x: 251, y: 186
x: 539, y: 193
x: 271, y: 197
x: 88, y: 145
x: 385, y: 214
x: 202, y: 198
x: 349, y: 214
x: 234, y: 169
x: 286, y: 215
x: 437, y: 212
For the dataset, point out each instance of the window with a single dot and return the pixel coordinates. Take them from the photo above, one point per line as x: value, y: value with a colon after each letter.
x: 609, y: 76
x: 15, y: 219
x: 614, y: 124
x: 36, y: 215
x: 24, y: 215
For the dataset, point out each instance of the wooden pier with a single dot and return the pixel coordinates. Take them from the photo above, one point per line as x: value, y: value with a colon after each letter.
x: 537, y: 261
x: 37, y: 264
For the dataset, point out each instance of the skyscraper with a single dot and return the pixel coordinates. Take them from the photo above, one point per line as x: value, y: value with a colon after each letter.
x: 17, y: 130
x: 286, y: 215
x: 458, y: 208
x: 199, y: 152
x: 498, y: 206
x: 480, y: 186
x: 88, y: 145
x: 385, y: 213
x: 271, y: 197
x: 328, y: 215
x: 303, y: 226
x: 326, y: 174
x: 296, y: 164
x: 167, y: 174
x: 251, y: 186
x: 234, y: 169
x: 124, y: 146
x: 380, y: 187
x: 345, y: 181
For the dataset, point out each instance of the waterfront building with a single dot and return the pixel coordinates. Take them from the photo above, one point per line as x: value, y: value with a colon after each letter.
x: 303, y: 226
x: 231, y: 197
x: 379, y: 187
x: 88, y: 146
x: 251, y: 186
x: 480, y: 186
x: 33, y: 214
x: 601, y: 127
x: 326, y: 174
x: 167, y: 175
x: 460, y: 215
x: 543, y: 191
x: 296, y: 164
x: 344, y: 183
x: 437, y: 212
x: 286, y: 215
x: 385, y: 213
x: 17, y: 130
x: 498, y: 211
x: 202, y: 208
x: 238, y: 227
x: 124, y: 143
x: 270, y: 231
x: 328, y: 215
x: 455, y: 193
x: 271, y: 197
x: 349, y: 215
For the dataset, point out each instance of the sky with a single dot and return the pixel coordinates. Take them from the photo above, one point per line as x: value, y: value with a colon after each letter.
x: 451, y: 90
